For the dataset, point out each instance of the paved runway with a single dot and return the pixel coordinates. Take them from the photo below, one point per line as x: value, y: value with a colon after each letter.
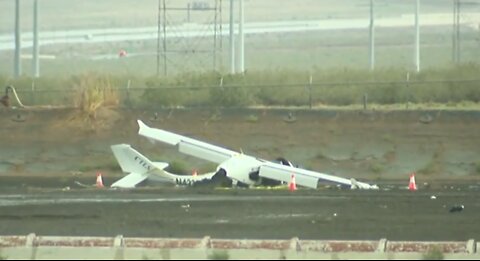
x: 395, y: 214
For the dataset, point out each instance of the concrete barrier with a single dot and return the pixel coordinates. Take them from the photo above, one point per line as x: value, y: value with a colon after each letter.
x: 118, y: 248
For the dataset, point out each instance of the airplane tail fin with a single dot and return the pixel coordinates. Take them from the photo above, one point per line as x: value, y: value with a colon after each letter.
x: 134, y: 163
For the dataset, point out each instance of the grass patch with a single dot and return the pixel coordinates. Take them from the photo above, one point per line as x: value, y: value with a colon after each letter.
x: 450, y: 87
x: 207, y: 167
x: 252, y: 118
x: 477, y: 167
x: 219, y: 255
x: 434, y: 253
x: 387, y: 138
x: 321, y: 155
x: 108, y: 163
x: 390, y: 156
x: 93, y: 91
x: 376, y: 168
x: 429, y: 169
x: 178, y: 167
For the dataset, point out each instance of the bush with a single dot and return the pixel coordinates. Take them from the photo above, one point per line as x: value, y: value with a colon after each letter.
x: 94, y: 91
x: 164, y: 97
x: 234, y: 96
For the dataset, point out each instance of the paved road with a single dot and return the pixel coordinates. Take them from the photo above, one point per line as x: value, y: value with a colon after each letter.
x: 396, y: 214
x: 86, y: 36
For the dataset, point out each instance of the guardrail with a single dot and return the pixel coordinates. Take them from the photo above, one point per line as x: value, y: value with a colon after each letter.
x: 42, y: 247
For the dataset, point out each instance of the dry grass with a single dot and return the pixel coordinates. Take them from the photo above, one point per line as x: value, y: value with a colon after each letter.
x: 92, y: 92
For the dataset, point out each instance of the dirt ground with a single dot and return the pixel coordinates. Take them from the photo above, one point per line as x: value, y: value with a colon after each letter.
x: 44, y: 151
x: 370, y: 145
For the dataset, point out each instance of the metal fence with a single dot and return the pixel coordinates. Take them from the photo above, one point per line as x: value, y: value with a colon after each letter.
x: 307, y: 95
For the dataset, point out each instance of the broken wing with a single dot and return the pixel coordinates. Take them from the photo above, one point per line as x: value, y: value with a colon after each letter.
x: 187, y: 145
x: 303, y: 177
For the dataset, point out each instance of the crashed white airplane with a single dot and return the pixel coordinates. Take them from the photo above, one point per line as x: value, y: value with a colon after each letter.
x: 236, y: 166
x: 140, y: 168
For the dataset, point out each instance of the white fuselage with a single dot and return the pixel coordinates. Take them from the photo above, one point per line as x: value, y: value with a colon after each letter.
x: 239, y: 168
x: 183, y: 180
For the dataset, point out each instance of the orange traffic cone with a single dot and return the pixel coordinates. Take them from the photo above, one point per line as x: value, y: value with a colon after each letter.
x: 411, y: 185
x: 292, y: 186
x: 99, y: 180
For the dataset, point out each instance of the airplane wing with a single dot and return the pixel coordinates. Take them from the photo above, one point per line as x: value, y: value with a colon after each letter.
x: 226, y: 157
x: 130, y: 181
x: 187, y: 145
x: 303, y: 177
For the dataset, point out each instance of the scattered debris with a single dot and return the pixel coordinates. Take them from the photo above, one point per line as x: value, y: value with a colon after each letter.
x: 170, y: 114
x: 186, y: 207
x: 19, y: 118
x: 155, y: 117
x: 75, y: 172
x: 290, y: 118
x: 457, y: 208
x: 83, y: 185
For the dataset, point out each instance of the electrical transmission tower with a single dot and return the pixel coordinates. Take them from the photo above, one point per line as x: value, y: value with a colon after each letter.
x: 190, y: 37
x: 460, y: 6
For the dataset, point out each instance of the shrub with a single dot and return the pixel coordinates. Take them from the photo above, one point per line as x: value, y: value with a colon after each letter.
x: 94, y: 91
x: 163, y: 97
x: 234, y: 96
x: 376, y: 168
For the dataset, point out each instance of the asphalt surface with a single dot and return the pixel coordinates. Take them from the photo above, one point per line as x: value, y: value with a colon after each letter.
x: 393, y: 212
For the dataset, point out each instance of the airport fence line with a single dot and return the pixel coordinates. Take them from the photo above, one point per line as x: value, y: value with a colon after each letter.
x: 135, y: 95
x: 42, y: 247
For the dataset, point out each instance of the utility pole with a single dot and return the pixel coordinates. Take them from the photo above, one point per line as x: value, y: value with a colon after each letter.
x: 17, y: 63
x: 164, y: 39
x: 232, y: 39
x: 35, y: 63
x: 161, y: 27
x: 241, y: 47
x: 372, y: 37
x: 417, y: 37
x: 158, y: 37
x: 215, y: 37
x: 457, y: 35
x: 456, y: 32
